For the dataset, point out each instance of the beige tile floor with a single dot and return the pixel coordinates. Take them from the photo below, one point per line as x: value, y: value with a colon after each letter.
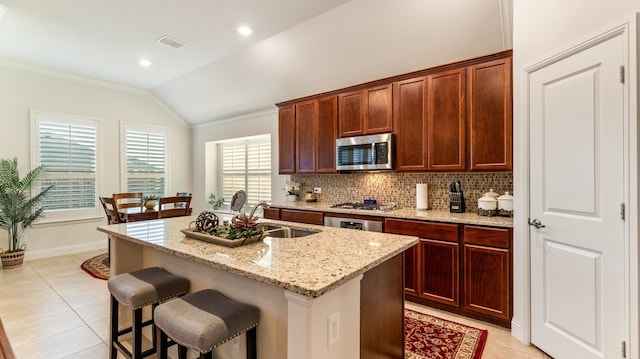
x: 52, y: 309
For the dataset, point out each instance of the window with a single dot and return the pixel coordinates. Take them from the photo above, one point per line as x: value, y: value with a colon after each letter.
x: 245, y: 164
x: 145, y: 161
x: 67, y: 146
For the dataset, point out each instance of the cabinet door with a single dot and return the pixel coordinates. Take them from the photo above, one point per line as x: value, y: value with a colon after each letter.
x: 489, y: 115
x: 439, y: 271
x: 326, y: 126
x: 351, y: 114
x: 446, y: 121
x: 487, y: 278
x: 286, y: 140
x: 409, y: 117
x: 411, y: 270
x: 378, y: 110
x: 487, y: 271
x: 306, y: 136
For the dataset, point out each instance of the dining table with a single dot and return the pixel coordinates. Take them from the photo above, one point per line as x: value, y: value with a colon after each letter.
x: 135, y: 214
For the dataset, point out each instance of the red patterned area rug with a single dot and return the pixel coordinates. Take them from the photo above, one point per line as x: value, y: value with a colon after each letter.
x: 428, y: 337
x: 98, y: 266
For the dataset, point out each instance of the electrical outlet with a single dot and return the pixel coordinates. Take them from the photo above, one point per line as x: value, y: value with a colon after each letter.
x: 317, y: 189
x: 333, y: 329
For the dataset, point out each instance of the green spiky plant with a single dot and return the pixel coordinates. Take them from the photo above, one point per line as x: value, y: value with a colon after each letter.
x: 18, y: 210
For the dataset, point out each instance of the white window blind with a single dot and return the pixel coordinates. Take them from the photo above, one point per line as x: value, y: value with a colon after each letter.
x: 246, y: 165
x: 146, y: 161
x: 67, y: 146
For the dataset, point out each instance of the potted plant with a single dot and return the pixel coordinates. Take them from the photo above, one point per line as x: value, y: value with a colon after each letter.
x: 150, y: 201
x: 216, y: 202
x: 18, y: 209
x: 292, y: 190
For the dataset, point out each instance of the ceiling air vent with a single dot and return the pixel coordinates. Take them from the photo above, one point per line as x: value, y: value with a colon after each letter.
x: 169, y: 41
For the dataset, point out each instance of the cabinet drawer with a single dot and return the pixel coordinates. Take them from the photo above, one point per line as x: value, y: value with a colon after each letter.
x: 492, y: 237
x: 272, y: 213
x: 293, y: 215
x: 431, y: 230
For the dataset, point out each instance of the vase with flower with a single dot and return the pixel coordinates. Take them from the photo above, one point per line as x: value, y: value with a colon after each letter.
x: 292, y: 191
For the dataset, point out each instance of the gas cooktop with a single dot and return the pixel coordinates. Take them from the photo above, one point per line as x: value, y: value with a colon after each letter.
x: 366, y: 206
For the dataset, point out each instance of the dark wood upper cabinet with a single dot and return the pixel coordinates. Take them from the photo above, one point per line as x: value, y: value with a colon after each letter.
x: 446, y: 121
x: 286, y: 140
x: 351, y: 114
x: 489, y: 115
x: 455, y: 117
x: 410, y: 122
x: 327, y: 131
x: 366, y: 112
x: 378, y: 115
x: 306, y: 124
x: 316, y: 128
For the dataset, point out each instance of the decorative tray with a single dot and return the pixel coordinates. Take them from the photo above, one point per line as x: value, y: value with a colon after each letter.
x: 194, y: 234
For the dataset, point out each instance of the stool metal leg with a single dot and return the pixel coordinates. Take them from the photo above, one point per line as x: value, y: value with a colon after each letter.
x: 113, y: 325
x: 252, y: 350
x: 162, y: 341
x: 182, y: 352
x: 136, y: 348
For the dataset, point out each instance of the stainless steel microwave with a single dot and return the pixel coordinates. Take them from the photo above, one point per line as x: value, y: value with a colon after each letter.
x: 365, y: 153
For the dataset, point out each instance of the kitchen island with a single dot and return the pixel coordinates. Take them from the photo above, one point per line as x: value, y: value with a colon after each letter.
x: 337, y: 293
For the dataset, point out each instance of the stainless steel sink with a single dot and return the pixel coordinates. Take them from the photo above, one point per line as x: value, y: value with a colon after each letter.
x: 275, y: 231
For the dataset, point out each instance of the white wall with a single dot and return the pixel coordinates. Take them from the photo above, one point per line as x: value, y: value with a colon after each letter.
x: 259, y: 123
x: 22, y: 89
x: 540, y: 28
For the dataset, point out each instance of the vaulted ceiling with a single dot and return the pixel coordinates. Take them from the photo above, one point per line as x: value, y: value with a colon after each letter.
x: 297, y: 48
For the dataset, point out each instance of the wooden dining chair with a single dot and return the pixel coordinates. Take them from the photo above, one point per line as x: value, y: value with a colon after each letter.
x: 110, y: 209
x: 184, y: 204
x: 122, y: 201
x: 127, y: 200
x: 172, y: 206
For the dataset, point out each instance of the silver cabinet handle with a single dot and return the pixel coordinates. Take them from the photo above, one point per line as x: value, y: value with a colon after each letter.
x: 536, y: 223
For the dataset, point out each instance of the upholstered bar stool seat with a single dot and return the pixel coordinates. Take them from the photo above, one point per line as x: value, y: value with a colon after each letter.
x: 203, y: 321
x: 136, y: 290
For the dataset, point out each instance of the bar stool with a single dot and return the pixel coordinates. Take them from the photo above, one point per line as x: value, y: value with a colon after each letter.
x: 136, y: 290
x: 203, y: 321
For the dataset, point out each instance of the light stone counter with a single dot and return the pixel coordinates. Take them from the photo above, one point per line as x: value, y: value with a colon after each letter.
x: 405, y: 213
x: 298, y: 284
x: 310, y: 265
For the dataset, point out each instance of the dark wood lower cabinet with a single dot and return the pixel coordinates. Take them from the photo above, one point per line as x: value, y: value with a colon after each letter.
x: 309, y: 217
x: 382, y: 311
x: 462, y: 269
x: 438, y: 271
x: 410, y: 272
x: 486, y: 281
x: 488, y: 284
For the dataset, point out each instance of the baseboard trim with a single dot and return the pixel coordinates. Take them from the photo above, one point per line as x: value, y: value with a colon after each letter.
x: 60, y: 251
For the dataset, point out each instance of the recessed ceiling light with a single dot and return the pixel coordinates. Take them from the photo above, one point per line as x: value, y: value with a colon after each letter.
x: 144, y: 63
x: 3, y: 9
x: 244, y: 30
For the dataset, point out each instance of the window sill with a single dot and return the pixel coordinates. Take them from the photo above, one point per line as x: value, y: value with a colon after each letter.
x: 66, y: 221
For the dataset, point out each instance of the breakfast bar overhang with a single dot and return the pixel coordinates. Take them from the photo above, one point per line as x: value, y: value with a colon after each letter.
x: 337, y: 293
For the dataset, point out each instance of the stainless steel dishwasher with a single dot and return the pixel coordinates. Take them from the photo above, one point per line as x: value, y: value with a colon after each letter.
x: 353, y: 223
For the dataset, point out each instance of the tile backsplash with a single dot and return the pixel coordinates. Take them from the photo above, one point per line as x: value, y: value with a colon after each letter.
x: 401, y: 187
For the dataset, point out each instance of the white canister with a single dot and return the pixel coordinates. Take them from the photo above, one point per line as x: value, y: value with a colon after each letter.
x: 487, y: 203
x: 505, y: 202
x: 492, y: 193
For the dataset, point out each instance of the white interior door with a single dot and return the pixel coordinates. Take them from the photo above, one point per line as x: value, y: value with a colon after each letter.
x: 576, y: 191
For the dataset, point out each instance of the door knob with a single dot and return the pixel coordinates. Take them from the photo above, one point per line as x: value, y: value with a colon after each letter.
x: 536, y: 223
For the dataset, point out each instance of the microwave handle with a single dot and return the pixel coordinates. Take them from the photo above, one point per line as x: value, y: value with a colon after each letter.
x: 374, y: 155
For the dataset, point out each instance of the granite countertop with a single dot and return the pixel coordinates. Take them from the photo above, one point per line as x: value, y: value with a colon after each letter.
x: 405, y: 213
x: 310, y: 266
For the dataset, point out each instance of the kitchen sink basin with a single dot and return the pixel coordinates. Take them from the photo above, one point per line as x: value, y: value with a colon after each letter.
x: 275, y: 231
